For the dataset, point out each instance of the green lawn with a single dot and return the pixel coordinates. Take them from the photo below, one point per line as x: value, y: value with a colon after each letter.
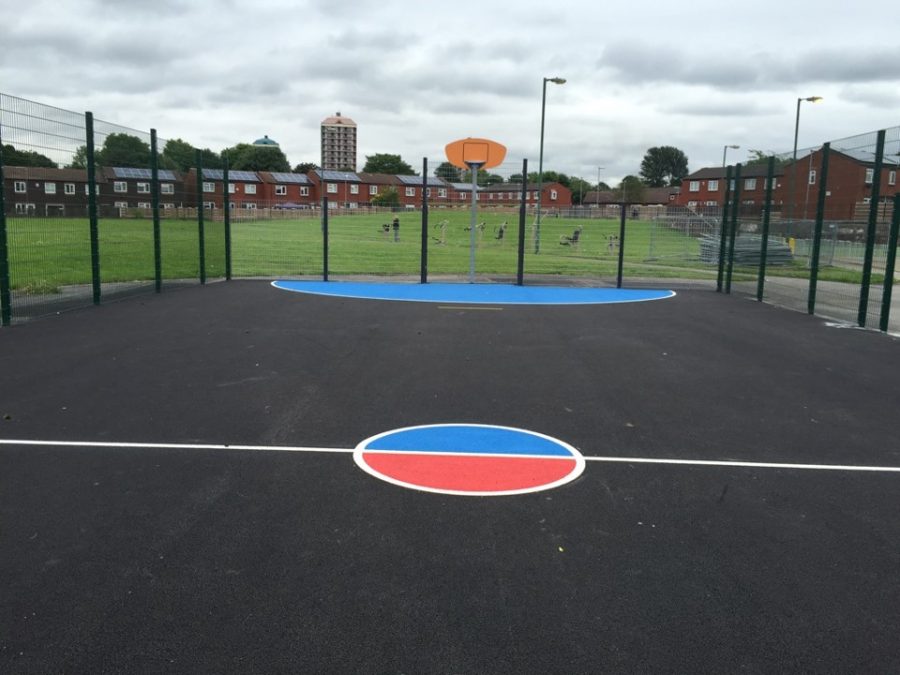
x: 47, y: 253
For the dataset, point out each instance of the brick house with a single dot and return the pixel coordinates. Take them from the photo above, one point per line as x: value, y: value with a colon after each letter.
x: 375, y: 184
x: 244, y: 187
x: 47, y: 192
x: 706, y: 187
x: 130, y: 188
x: 287, y: 190
x: 410, y: 191
x: 343, y: 188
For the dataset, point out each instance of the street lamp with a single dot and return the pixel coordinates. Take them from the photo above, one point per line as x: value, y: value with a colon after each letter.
x: 793, y: 196
x: 537, y: 230
x: 599, y: 169
x: 725, y: 151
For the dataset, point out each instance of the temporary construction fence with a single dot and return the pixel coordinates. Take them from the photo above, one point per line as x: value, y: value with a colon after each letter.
x: 92, y: 211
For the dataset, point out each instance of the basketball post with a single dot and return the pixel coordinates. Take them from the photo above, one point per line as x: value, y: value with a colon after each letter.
x: 474, y: 154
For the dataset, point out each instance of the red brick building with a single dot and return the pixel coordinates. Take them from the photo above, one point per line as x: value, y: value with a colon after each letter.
x: 285, y: 190
x: 46, y: 192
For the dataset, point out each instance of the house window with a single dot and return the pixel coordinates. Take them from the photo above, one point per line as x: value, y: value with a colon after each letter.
x: 143, y: 188
x: 870, y: 174
x: 50, y: 188
x: 210, y: 205
x: 410, y: 192
x: 812, y: 177
x: 281, y: 190
x: 232, y: 188
x: 694, y: 186
x: 427, y: 192
x: 712, y: 203
x: 143, y: 205
x: 354, y: 189
x: 731, y: 185
x: 19, y: 186
x: 249, y: 206
x: 208, y: 187
x: 249, y: 188
x: 304, y: 191
x: 892, y: 178
x: 713, y: 186
x: 69, y: 188
x: 167, y: 189
x: 27, y: 209
x: 332, y: 188
x: 442, y: 192
x: 168, y: 206
x: 692, y: 204
x: 120, y: 186
x: 121, y: 205
x: 552, y: 195
x: 373, y: 189
x: 749, y: 183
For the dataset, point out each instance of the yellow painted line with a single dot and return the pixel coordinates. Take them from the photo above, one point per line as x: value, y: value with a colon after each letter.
x: 482, y: 309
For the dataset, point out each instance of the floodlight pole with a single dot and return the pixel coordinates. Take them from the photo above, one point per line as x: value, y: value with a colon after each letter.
x: 537, y: 229
x: 725, y: 152
x: 792, y: 196
x: 473, y: 167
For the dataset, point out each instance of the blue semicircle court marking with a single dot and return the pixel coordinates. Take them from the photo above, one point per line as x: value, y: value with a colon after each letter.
x: 488, y: 294
x: 469, y: 439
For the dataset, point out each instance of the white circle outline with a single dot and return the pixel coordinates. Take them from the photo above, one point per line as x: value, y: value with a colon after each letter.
x: 360, y: 449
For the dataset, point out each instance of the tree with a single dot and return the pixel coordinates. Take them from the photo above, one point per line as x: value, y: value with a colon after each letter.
x: 550, y: 177
x: 246, y: 157
x: 387, y: 197
x: 759, y: 157
x: 579, y: 188
x: 448, y: 172
x: 13, y: 157
x: 305, y: 167
x: 384, y: 163
x: 181, y: 153
x: 483, y: 178
x: 664, y: 166
x: 123, y: 150
x: 79, y: 159
x: 631, y: 189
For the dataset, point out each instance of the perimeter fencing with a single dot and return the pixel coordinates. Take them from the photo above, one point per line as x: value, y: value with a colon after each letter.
x: 93, y: 211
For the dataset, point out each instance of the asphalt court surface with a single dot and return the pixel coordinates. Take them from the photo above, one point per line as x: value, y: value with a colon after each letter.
x: 213, y: 559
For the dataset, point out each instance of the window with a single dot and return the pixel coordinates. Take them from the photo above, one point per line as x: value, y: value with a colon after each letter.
x: 410, y: 192
x: 208, y: 187
x: 552, y: 195
x: 250, y: 205
x: 354, y: 189
x: 19, y: 186
x: 694, y: 186
x: 304, y: 191
x: 870, y: 174
x: 168, y: 206
x: 731, y: 185
x: 120, y: 186
x: 332, y: 188
x: 121, y: 205
x: 713, y: 186
x: 143, y: 205
x: 167, y: 189
x: 69, y: 188
x: 209, y: 205
x: 232, y: 188
x: 427, y: 192
x: 812, y: 177
x: 281, y: 190
x: 892, y: 177
x: 49, y: 188
x: 143, y: 188
x: 442, y: 192
x: 27, y: 209
x: 692, y: 204
x: 373, y: 189
x: 749, y: 183
x: 712, y: 203
x: 249, y: 189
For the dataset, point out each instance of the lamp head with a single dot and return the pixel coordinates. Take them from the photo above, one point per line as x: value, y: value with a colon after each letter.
x: 813, y: 99
x: 555, y: 80
x: 733, y: 147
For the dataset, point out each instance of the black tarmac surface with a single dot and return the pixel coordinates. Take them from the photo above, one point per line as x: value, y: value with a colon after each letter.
x: 139, y: 560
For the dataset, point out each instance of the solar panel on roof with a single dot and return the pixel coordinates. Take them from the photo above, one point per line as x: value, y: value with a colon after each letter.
x: 131, y: 172
x: 283, y: 177
x: 218, y: 174
x: 339, y: 175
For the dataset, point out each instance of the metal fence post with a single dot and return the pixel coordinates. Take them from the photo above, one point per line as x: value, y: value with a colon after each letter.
x: 720, y: 274
x: 200, y: 228
x: 5, y: 296
x: 764, y: 245
x: 226, y: 216
x: 889, y: 265
x: 324, y: 234
x: 735, y: 210
x: 423, y: 272
x: 817, y: 235
x: 154, y: 197
x: 870, y: 234
x: 520, y: 263
x: 92, y: 206
x: 621, y: 245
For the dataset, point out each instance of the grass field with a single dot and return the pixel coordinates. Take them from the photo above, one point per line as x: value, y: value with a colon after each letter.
x: 48, y: 253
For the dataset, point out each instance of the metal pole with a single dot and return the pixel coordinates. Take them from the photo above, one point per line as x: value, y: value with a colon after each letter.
x: 793, y: 184
x: 520, y: 268
x: 817, y: 235
x: 92, y: 207
x: 764, y: 247
x: 889, y: 266
x: 870, y: 234
x: 720, y: 274
x: 621, y: 245
x: 423, y: 273
x: 473, y: 220
x: 227, y: 218
x: 200, y: 215
x: 5, y: 297
x: 537, y: 229
x: 735, y: 210
x: 154, y: 197
x: 324, y: 233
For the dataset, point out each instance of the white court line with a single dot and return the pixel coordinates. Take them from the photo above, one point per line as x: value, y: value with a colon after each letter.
x: 289, y: 448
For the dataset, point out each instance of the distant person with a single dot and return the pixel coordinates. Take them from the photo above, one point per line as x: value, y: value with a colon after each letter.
x: 396, y: 225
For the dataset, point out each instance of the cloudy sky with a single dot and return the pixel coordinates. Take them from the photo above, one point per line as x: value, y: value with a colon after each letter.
x: 417, y: 75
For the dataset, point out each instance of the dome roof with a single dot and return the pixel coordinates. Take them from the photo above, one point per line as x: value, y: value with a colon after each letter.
x: 265, y: 140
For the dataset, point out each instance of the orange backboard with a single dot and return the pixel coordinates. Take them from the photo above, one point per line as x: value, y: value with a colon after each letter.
x: 481, y: 152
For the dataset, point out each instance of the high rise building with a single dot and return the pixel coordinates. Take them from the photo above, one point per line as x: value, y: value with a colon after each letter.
x: 338, y: 143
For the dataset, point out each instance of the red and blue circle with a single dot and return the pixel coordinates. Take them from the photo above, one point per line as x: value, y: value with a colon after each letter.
x: 469, y: 459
